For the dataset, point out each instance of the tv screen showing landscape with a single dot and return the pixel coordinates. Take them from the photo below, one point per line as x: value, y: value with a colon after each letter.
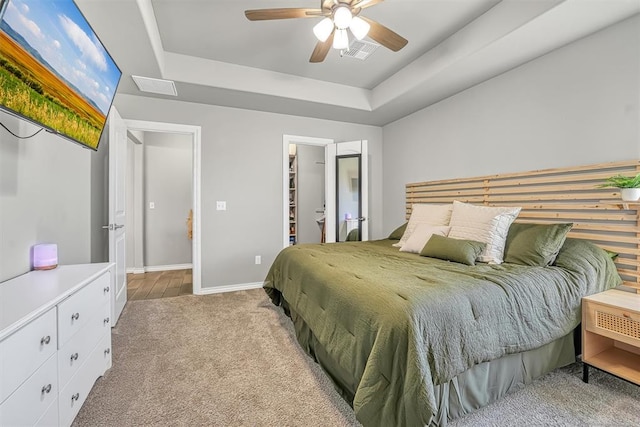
x: 54, y: 71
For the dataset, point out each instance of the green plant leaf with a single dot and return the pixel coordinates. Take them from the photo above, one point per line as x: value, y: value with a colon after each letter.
x: 621, y: 181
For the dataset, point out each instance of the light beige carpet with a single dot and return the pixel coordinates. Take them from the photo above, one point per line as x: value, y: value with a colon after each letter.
x: 232, y: 360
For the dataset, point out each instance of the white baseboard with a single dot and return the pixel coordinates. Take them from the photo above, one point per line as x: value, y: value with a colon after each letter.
x: 230, y: 288
x: 168, y: 267
x: 135, y: 270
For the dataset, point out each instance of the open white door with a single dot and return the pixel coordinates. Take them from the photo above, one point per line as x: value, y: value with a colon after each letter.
x: 348, y: 167
x: 117, y: 212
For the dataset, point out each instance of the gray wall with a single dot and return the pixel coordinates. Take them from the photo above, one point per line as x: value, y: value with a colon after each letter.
x: 167, y: 183
x: 45, y: 197
x: 576, y: 105
x: 242, y: 165
x: 310, y: 192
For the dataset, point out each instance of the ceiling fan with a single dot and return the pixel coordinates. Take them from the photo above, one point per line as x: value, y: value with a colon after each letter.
x: 340, y: 15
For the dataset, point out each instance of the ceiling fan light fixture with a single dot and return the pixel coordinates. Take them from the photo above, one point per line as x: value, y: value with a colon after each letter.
x: 341, y: 40
x: 342, y: 17
x: 323, y: 29
x: 359, y: 27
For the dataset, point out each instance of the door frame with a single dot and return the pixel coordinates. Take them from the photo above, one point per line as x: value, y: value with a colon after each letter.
x: 196, y: 138
x: 329, y: 185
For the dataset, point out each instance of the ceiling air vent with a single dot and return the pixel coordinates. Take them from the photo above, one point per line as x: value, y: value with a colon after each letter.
x: 162, y: 87
x: 360, y: 49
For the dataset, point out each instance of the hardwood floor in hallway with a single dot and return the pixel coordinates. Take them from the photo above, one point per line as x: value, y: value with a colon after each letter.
x: 159, y: 284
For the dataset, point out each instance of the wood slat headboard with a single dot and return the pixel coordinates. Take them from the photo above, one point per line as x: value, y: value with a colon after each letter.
x: 555, y: 195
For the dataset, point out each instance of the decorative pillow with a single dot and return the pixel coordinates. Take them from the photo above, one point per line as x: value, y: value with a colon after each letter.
x: 425, y: 214
x: 612, y: 255
x: 398, y: 232
x: 421, y: 235
x: 457, y: 250
x: 535, y: 244
x: 485, y: 224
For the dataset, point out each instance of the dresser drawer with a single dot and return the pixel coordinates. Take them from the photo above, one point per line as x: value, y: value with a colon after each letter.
x: 24, y: 351
x: 32, y: 399
x: 50, y: 418
x: 75, y: 393
x: 76, y: 311
x: 75, y: 352
x: 616, y: 323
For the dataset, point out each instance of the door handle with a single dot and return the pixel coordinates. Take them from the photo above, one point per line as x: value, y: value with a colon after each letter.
x: 361, y: 219
x: 113, y: 226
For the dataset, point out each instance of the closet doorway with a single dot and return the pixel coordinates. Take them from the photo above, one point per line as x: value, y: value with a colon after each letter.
x: 307, y: 195
x: 163, y: 189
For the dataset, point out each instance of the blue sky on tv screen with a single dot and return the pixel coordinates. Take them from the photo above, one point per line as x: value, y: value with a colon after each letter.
x: 59, y: 33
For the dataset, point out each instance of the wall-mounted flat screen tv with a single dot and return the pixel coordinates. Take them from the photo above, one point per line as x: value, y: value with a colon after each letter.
x: 54, y: 71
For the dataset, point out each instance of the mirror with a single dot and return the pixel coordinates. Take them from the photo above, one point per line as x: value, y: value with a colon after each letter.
x: 348, y: 198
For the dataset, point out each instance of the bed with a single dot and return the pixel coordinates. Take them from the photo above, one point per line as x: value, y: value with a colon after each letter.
x: 412, y: 340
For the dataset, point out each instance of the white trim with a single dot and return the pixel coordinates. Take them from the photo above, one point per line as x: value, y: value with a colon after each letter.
x: 135, y: 270
x: 196, y: 137
x: 230, y: 288
x: 170, y: 267
x: 294, y: 139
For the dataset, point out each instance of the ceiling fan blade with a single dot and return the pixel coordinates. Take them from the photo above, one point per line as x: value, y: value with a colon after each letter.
x: 385, y: 36
x: 321, y: 49
x: 315, y: 13
x: 285, y: 13
x: 326, y: 5
x: 363, y: 4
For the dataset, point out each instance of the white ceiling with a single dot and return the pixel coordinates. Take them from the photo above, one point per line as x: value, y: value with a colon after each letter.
x: 216, y: 56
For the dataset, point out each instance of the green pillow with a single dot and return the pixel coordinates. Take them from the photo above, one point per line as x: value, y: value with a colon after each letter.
x: 612, y: 255
x: 535, y: 244
x: 398, y: 232
x: 457, y: 250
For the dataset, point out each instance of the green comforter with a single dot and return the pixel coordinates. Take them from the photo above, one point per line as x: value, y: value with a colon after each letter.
x: 391, y: 325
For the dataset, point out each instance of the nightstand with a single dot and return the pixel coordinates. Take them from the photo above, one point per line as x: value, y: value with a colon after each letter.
x: 611, y: 334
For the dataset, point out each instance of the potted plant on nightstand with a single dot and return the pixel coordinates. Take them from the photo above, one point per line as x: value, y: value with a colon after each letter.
x: 629, y: 186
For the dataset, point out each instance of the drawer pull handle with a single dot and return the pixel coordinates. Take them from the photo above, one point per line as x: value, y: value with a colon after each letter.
x: 75, y: 316
x: 74, y: 356
x: 627, y: 315
x: 107, y: 351
x: 45, y: 340
x: 106, y: 321
x: 75, y: 397
x: 106, y: 289
x: 46, y: 388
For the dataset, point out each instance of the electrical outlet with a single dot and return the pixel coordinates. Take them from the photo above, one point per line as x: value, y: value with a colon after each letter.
x: 258, y: 259
x: 152, y: 205
x: 221, y: 206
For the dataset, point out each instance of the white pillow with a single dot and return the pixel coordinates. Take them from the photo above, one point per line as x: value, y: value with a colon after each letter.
x: 421, y: 236
x: 425, y: 214
x: 485, y: 224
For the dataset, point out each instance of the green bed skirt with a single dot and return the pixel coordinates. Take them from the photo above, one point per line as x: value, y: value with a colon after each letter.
x: 473, y: 389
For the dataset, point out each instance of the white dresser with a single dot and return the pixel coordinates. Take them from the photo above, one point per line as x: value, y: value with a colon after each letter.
x: 55, y: 341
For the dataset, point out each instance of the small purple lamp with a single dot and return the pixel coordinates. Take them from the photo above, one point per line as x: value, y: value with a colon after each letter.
x: 45, y: 256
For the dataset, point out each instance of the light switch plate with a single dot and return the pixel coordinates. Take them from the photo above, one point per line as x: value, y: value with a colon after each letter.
x: 221, y: 206
x: 152, y: 205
